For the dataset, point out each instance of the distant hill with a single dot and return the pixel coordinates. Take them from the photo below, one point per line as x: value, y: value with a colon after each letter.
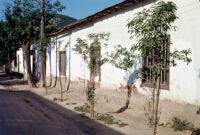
x: 64, y: 20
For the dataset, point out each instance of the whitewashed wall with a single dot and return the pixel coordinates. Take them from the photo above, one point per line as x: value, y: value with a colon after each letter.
x: 22, y: 65
x: 184, y: 80
x: 20, y: 60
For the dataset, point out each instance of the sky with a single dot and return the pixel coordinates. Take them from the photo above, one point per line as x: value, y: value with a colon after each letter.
x: 78, y: 9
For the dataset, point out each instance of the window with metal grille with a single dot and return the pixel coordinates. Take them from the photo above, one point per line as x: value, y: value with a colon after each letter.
x: 147, y: 62
x: 62, y: 64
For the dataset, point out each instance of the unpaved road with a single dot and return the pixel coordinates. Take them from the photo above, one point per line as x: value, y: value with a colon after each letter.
x: 25, y: 113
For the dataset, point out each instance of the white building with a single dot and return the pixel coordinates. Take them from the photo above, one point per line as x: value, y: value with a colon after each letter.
x: 21, y: 66
x: 184, y: 81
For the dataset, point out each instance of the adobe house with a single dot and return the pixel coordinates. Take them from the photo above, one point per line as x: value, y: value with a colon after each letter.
x: 20, y: 66
x: 34, y: 54
x: 181, y: 83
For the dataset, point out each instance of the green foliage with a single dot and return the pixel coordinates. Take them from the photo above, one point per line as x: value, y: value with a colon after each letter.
x: 67, y: 44
x: 90, y: 50
x: 84, y: 108
x: 55, y: 99
x: 181, y: 125
x: 70, y: 103
x: 151, y: 27
x: 122, y: 58
x: 8, y: 43
x: 154, y: 22
x: 90, y: 93
x: 85, y: 47
x: 37, y: 46
x: 122, y: 124
x: 24, y: 17
x: 109, y: 119
x: 182, y: 55
x: 82, y: 48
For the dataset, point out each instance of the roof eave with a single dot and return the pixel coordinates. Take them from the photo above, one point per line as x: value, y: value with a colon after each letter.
x: 104, y: 12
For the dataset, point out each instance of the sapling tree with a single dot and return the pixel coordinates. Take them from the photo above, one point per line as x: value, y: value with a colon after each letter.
x: 151, y: 28
x: 90, y: 50
x: 124, y: 59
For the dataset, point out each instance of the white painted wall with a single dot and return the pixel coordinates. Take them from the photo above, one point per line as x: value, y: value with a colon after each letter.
x: 22, y: 65
x: 184, y: 80
x: 20, y: 60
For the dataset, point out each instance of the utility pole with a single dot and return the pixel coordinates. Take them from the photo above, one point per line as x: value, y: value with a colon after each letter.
x: 43, y: 48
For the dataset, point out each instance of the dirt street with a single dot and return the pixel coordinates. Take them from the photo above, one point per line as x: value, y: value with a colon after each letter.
x: 24, y: 113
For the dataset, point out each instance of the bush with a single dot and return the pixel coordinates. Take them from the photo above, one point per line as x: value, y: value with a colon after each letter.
x: 55, y: 99
x: 181, y: 125
x: 107, y: 119
x: 84, y: 108
x: 196, y: 131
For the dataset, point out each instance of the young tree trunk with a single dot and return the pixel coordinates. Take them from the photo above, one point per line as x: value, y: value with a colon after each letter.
x: 8, y: 67
x: 94, y: 55
x: 156, y: 104
x: 198, y: 111
x: 43, y: 69
x: 46, y: 84
x: 61, y: 87
x: 92, y: 85
x: 26, y: 51
x: 153, y: 99
x: 92, y: 100
x: 23, y: 68
x: 43, y: 49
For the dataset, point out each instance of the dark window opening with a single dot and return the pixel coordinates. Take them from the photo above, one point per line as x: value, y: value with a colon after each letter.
x: 62, y: 62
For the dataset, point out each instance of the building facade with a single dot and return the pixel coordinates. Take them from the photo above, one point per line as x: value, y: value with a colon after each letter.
x: 184, y: 80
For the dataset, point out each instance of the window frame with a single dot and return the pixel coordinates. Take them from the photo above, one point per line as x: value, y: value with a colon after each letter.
x: 60, y: 53
x: 162, y: 86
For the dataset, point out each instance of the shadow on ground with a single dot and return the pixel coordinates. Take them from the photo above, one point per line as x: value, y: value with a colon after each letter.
x: 16, y: 80
x: 132, y: 77
x: 26, y: 113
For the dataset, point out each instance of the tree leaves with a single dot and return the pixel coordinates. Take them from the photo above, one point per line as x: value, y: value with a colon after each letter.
x: 182, y: 55
x: 122, y: 58
x: 8, y: 42
x: 151, y: 28
x: 94, y: 42
x: 24, y: 17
